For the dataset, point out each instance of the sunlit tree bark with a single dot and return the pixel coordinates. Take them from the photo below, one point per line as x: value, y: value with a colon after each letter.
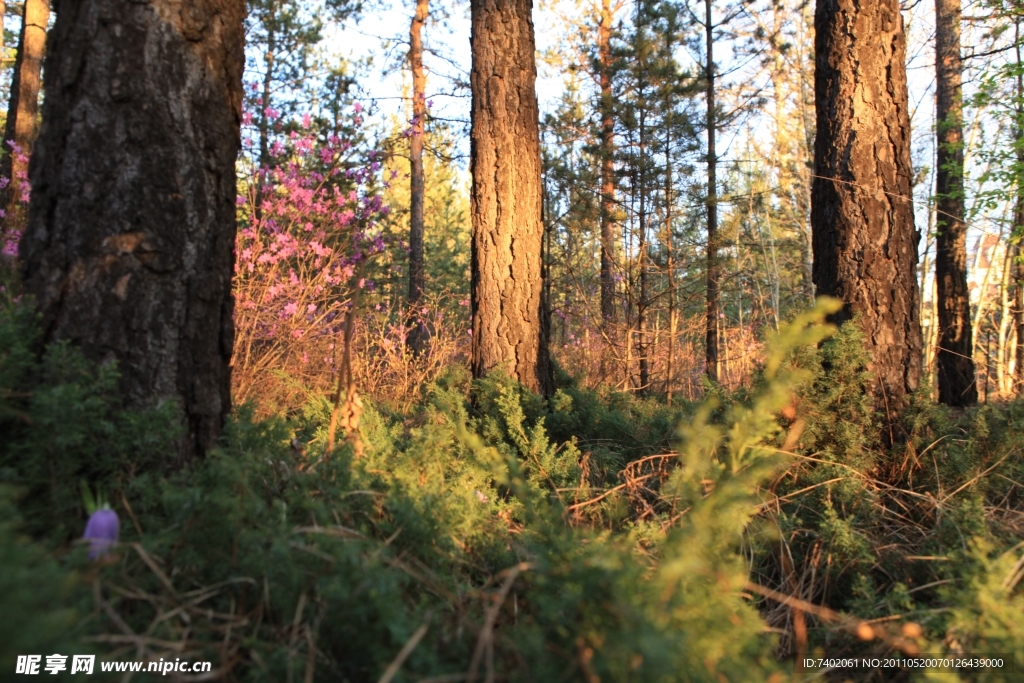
x: 507, y: 279
x: 865, y: 242
x: 23, y: 106
x: 419, y: 111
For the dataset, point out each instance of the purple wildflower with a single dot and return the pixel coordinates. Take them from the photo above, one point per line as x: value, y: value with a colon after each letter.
x: 101, y: 532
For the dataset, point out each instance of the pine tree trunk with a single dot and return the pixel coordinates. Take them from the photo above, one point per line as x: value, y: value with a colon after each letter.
x: 507, y: 280
x: 1003, y: 379
x: 23, y: 108
x: 954, y: 358
x: 1018, y: 214
x: 604, y: 49
x: 865, y: 243
x: 129, y: 245
x: 642, y: 261
x: 711, y: 359
x: 669, y: 268
x: 268, y: 82
x: 1018, y: 311
x: 417, y: 277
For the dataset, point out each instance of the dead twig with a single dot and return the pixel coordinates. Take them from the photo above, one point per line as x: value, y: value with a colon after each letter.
x: 403, y: 654
x: 862, y: 629
x: 487, y: 632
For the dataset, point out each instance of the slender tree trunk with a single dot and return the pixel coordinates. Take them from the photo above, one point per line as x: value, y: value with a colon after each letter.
x: 807, y: 121
x: 417, y: 277
x: 954, y: 358
x: 507, y: 280
x: 929, y: 315
x: 604, y: 49
x: 669, y: 267
x: 1018, y: 214
x: 1003, y: 379
x: 865, y: 243
x: 983, y: 260
x: 268, y: 82
x: 129, y: 245
x: 23, y: 109
x: 641, y: 305
x: 712, y: 361
x: 269, y: 57
x: 1018, y: 309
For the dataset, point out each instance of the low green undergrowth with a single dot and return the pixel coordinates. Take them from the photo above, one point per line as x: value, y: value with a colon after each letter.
x: 487, y: 534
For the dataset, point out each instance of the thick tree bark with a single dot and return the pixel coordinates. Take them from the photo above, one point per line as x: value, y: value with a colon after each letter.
x: 507, y: 279
x: 23, y: 108
x: 954, y: 359
x: 129, y: 245
x: 604, y: 50
x: 417, y: 276
x: 865, y: 243
x: 712, y: 361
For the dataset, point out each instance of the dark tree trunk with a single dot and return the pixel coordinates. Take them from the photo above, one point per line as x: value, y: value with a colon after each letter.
x: 711, y: 359
x: 129, y: 245
x: 955, y: 356
x: 865, y: 243
x: 507, y: 280
x: 417, y: 276
x: 268, y: 82
x: 669, y: 265
x: 643, y: 299
x: 604, y: 49
x: 23, y: 108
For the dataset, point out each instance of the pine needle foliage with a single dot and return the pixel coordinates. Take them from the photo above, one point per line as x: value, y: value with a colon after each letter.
x: 492, y: 535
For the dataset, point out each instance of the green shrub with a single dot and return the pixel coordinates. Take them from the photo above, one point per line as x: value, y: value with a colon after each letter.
x: 504, y: 534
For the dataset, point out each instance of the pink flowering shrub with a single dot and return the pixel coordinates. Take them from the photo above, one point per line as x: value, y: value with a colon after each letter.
x: 308, y: 227
x: 13, y: 224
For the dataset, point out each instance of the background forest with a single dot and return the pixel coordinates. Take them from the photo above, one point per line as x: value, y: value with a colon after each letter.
x: 703, y: 479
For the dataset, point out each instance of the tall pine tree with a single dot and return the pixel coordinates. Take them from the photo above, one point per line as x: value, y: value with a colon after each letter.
x: 954, y: 358
x: 509, y: 317
x: 865, y: 242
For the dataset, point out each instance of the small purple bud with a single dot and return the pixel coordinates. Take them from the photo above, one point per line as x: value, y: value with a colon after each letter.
x: 101, y: 532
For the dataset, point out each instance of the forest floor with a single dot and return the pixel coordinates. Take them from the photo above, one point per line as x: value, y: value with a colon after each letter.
x: 482, y: 533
